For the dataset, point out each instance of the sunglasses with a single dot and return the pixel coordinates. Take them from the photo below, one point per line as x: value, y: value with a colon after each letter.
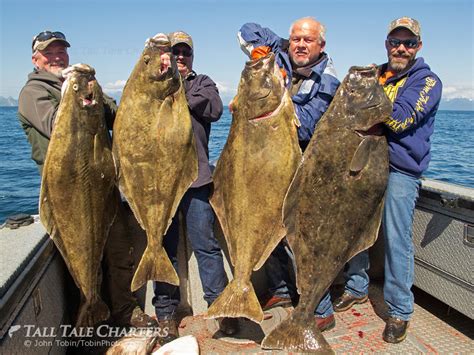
x: 46, y: 35
x: 408, y: 43
x: 184, y: 52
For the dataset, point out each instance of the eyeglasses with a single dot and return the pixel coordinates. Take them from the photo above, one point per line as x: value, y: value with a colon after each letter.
x: 46, y: 35
x: 408, y: 43
x: 184, y: 52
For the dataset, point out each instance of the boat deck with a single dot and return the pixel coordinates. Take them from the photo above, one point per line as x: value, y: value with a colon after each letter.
x: 435, y: 329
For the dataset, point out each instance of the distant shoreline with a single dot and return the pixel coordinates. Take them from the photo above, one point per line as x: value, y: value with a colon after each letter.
x: 441, y: 109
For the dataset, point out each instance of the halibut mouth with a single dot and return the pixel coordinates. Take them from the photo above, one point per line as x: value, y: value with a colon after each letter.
x: 88, y: 100
x: 267, y: 96
x: 376, y: 130
x: 268, y: 114
x: 162, y: 75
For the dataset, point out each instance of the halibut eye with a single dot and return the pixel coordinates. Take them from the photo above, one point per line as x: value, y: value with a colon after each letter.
x: 146, y: 59
x: 75, y: 87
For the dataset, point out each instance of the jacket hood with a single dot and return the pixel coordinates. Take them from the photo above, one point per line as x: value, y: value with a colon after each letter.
x: 418, y: 65
x: 45, y: 76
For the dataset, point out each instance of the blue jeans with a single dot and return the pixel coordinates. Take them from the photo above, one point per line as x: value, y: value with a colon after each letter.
x: 400, y: 199
x: 199, y: 219
x: 282, y: 285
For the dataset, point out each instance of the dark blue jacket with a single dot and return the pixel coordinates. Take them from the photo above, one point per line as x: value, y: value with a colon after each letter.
x: 315, y: 93
x: 205, y: 107
x: 415, y: 94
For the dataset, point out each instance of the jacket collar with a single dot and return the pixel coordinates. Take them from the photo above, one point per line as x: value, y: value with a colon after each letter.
x: 415, y: 65
x: 43, y: 75
x: 191, y: 75
x: 316, y: 67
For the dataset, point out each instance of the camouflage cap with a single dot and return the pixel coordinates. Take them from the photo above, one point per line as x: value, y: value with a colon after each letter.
x: 180, y: 37
x: 406, y: 22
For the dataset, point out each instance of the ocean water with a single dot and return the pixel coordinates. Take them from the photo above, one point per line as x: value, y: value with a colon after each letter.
x: 452, y: 156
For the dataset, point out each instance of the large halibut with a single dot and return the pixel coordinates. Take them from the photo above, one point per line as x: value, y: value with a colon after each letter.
x: 334, y: 204
x: 251, y: 178
x: 154, y: 147
x: 78, y: 199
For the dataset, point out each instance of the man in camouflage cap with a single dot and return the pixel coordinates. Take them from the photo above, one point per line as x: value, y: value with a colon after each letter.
x: 415, y: 92
x: 205, y: 107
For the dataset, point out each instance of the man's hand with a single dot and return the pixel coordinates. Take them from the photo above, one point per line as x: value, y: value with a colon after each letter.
x: 260, y: 52
x: 90, y: 84
x: 165, y: 62
x: 231, y: 105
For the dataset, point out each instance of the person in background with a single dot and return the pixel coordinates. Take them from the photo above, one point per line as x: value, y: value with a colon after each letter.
x: 312, y: 82
x: 416, y: 93
x: 37, y: 108
x: 205, y: 107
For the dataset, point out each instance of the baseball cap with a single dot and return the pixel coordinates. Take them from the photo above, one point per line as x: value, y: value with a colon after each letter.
x: 45, y: 38
x: 180, y: 37
x: 406, y: 22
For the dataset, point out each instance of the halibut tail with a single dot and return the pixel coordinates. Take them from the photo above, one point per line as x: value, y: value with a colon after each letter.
x: 92, y: 312
x: 155, y: 265
x: 299, y: 335
x: 237, y: 300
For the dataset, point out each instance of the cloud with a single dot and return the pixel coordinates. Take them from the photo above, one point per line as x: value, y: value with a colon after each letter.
x: 225, y: 90
x: 115, y: 86
x: 458, y: 92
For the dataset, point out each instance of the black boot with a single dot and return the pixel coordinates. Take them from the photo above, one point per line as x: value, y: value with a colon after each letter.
x: 229, y: 326
x: 168, y: 329
x: 347, y: 300
x: 395, y: 330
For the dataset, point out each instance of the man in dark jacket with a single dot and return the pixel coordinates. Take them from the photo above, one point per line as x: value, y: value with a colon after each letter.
x: 37, y: 108
x: 205, y: 106
x: 312, y: 81
x: 415, y: 92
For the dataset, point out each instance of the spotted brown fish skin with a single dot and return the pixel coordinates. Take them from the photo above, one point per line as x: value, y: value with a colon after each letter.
x: 156, y: 155
x: 78, y: 199
x: 250, y: 181
x: 333, y: 207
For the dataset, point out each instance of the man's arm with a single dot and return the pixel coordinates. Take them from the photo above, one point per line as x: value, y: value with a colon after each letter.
x: 310, y: 113
x: 39, y: 107
x: 203, y: 99
x: 310, y: 107
x: 110, y: 108
x: 411, y: 107
x: 252, y: 36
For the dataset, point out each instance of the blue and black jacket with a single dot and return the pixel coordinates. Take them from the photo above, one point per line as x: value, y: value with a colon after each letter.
x: 315, y: 93
x: 416, y: 94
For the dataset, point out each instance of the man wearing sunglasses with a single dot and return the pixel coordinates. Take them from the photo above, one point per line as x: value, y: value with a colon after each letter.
x: 37, y: 108
x: 312, y: 82
x: 205, y: 107
x: 415, y: 92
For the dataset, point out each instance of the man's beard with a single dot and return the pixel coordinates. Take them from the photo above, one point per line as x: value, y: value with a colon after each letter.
x: 299, y: 63
x: 398, y: 66
x: 57, y: 71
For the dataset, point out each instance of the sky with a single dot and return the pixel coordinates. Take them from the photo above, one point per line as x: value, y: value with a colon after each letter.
x: 110, y: 35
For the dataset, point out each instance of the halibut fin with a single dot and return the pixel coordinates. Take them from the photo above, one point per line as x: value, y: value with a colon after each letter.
x: 237, y: 300
x: 92, y: 312
x: 297, y: 335
x: 361, y: 156
x: 154, y: 265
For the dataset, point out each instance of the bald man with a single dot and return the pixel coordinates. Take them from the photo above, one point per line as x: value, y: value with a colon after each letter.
x: 312, y: 82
